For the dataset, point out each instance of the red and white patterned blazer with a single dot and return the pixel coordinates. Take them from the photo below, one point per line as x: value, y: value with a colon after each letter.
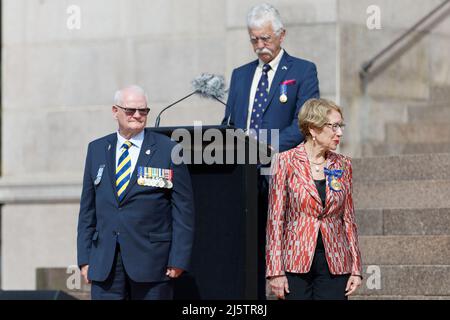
x: 296, y: 214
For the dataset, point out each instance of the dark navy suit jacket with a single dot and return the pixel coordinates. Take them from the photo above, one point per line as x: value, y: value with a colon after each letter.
x: 155, y: 225
x: 277, y: 115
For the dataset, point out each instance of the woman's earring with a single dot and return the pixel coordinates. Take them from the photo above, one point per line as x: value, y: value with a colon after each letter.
x: 314, y: 139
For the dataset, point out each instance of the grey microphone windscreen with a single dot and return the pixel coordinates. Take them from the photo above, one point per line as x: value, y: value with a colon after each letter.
x: 209, y: 85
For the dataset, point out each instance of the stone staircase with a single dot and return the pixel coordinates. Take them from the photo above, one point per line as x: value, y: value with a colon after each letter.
x: 426, y: 131
x: 402, y: 201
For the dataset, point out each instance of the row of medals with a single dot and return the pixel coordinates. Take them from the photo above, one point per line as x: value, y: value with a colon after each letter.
x: 155, y: 182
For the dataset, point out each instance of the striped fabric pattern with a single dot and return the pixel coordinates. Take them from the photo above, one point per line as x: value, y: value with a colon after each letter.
x: 123, y: 170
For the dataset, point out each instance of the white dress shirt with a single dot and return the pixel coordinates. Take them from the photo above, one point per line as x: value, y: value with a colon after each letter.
x: 133, y: 150
x: 258, y: 72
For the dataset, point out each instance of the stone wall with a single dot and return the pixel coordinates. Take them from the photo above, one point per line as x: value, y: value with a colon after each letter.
x: 58, y: 87
x: 412, y: 74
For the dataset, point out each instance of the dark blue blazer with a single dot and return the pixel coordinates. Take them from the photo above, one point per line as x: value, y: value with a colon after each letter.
x: 277, y: 115
x: 155, y: 225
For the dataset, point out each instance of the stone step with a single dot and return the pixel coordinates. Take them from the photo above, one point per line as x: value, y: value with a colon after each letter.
x: 436, y: 114
x: 440, y: 93
x: 414, y: 194
x: 409, y: 250
x: 404, y: 167
x: 418, y: 133
x: 388, y: 149
x: 405, y: 280
x: 60, y: 279
x: 403, y: 221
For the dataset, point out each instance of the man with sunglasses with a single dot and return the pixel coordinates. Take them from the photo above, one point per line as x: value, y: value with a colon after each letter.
x: 136, y: 219
x: 267, y: 94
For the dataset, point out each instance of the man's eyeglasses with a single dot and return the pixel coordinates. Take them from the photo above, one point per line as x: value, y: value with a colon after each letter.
x: 132, y: 111
x: 265, y: 39
x: 335, y: 126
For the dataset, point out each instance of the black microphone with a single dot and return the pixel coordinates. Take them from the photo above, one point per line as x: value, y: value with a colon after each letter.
x: 207, y: 85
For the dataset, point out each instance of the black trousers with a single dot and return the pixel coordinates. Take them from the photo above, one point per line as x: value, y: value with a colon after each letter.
x: 119, y: 286
x: 318, y: 283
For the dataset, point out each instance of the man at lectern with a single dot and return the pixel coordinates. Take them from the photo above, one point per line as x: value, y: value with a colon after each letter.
x: 268, y: 93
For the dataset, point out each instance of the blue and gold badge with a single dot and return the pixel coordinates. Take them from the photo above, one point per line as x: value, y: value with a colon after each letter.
x: 332, y: 177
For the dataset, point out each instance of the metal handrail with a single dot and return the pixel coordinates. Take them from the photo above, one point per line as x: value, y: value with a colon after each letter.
x: 365, y: 67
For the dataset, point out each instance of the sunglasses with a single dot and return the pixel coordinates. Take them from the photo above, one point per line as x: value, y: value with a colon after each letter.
x: 132, y: 111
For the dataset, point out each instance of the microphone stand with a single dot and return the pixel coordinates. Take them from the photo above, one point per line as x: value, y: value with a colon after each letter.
x: 219, y: 100
x: 158, y: 118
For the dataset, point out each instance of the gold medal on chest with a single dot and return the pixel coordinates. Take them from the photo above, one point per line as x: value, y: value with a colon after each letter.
x: 336, y: 185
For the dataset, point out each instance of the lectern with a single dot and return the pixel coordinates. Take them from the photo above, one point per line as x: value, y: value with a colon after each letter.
x: 224, y: 178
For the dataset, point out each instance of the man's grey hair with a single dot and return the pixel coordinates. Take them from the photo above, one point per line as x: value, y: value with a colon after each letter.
x: 264, y: 13
x: 133, y: 88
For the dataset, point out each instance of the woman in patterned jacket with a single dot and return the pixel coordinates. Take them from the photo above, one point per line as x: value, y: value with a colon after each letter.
x: 312, y: 243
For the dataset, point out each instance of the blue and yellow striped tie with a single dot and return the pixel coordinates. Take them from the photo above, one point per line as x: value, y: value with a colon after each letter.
x: 123, y: 171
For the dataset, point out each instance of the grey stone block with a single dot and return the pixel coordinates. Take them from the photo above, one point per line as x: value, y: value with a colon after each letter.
x: 403, y: 221
x: 418, y: 133
x: 56, y: 279
x: 171, y: 18
x: 408, y: 280
x: 402, y: 76
x: 301, y: 42
x: 439, y: 63
x: 416, y: 221
x: 384, y: 110
x: 435, y: 114
x: 60, y: 154
x: 64, y: 74
x: 402, y: 194
x: 369, y: 221
x: 441, y: 93
x: 407, y: 250
x: 378, y: 149
x: 51, y: 279
x: 404, y: 167
x: 36, y: 236
x: 163, y: 59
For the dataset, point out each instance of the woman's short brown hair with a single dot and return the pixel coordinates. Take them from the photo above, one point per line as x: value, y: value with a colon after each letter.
x: 313, y: 114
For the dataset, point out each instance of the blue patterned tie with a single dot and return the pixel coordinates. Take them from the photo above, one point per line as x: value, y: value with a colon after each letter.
x: 123, y: 171
x: 262, y: 93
